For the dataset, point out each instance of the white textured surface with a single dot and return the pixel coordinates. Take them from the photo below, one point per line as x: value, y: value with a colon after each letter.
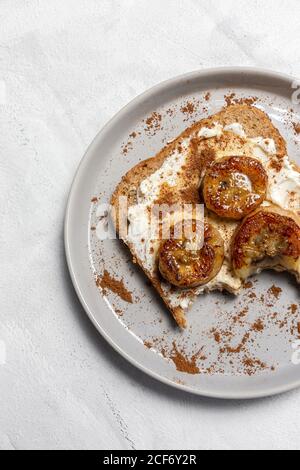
x: 68, y: 66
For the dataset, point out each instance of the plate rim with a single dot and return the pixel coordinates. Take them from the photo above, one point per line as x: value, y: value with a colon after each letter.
x: 205, y: 72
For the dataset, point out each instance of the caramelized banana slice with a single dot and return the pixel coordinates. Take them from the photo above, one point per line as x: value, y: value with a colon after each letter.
x: 182, y: 264
x: 234, y: 186
x: 268, y: 238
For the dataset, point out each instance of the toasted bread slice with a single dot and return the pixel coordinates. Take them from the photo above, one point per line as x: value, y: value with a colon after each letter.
x: 193, y: 150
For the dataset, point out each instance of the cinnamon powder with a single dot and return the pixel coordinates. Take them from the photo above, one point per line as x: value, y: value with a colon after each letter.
x: 107, y: 282
x: 252, y: 366
x: 133, y: 135
x: 148, y: 344
x: 258, y: 325
x: 231, y: 99
x: 153, y: 123
x: 293, y: 308
x: 248, y: 101
x: 239, y: 356
x: 239, y: 348
x: 183, y: 363
x: 217, y: 337
x: 275, y: 291
x: 296, y: 126
x: 188, y: 108
x: 248, y: 285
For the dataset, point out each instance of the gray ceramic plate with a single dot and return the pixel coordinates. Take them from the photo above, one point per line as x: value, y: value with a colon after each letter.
x: 233, y: 348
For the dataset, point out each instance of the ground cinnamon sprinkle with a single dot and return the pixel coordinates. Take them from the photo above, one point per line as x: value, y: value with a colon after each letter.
x: 239, y: 348
x: 217, y: 337
x: 248, y: 285
x: 293, y: 308
x: 153, y: 123
x: 296, y: 126
x: 253, y: 365
x: 133, y: 135
x: 107, y: 282
x: 248, y: 101
x: 94, y: 199
x: 207, y: 96
x: 252, y: 295
x: 258, y: 325
x: 242, y: 314
x: 233, y: 351
x: 275, y: 291
x: 276, y: 165
x: 170, y: 112
x: 119, y: 312
x: 188, y: 108
x: 127, y: 147
x: 183, y: 363
x: 231, y: 99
